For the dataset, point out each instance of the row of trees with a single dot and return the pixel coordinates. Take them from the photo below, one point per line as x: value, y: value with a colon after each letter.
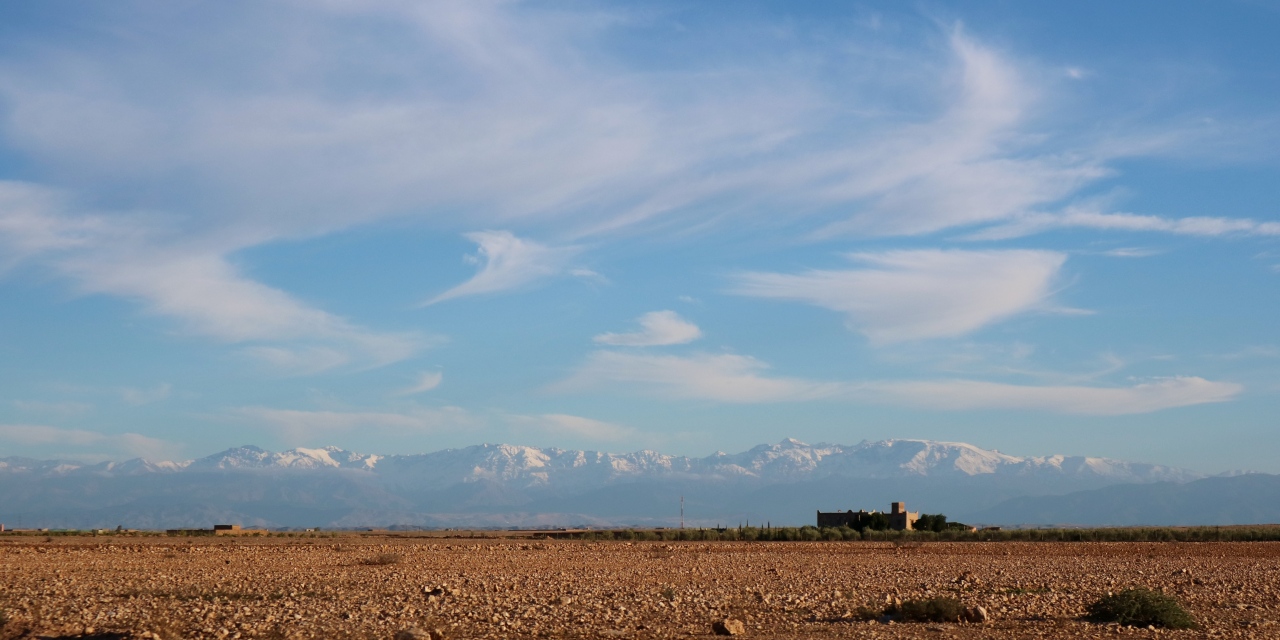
x: 937, y: 523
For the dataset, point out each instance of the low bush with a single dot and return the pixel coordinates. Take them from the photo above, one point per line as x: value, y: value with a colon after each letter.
x: 951, y: 532
x: 1141, y: 607
x: 865, y: 614
x: 930, y: 610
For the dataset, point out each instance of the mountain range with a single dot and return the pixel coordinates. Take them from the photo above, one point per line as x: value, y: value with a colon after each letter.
x: 507, y: 485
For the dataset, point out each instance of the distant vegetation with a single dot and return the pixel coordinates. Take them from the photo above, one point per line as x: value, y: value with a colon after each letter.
x: 1141, y: 608
x: 928, y: 610
x: 811, y: 533
x: 938, y: 530
x: 937, y: 523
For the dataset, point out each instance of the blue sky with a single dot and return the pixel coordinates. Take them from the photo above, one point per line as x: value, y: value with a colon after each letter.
x: 397, y: 227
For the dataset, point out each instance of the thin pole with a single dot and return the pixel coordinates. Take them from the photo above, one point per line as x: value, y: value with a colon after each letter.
x: 681, y: 512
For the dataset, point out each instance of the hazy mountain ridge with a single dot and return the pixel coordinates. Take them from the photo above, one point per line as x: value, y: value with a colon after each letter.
x: 1236, y: 499
x: 510, y: 485
x: 788, y: 460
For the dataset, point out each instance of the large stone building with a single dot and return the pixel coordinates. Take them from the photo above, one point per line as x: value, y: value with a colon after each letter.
x: 899, y: 518
x: 851, y: 519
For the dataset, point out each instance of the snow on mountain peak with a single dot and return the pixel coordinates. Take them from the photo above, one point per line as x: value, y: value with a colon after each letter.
x: 787, y: 461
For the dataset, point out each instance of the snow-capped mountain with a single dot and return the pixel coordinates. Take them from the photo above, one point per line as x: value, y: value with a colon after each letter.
x: 251, y: 457
x: 788, y: 460
x: 499, y: 484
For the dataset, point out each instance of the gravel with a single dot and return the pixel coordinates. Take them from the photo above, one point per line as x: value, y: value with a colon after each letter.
x: 282, y: 588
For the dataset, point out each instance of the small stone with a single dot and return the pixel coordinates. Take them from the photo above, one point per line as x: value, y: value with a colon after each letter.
x: 728, y: 627
x: 417, y: 633
x: 976, y: 614
x: 564, y: 600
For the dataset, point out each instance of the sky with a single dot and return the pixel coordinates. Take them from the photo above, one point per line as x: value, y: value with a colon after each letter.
x: 398, y: 227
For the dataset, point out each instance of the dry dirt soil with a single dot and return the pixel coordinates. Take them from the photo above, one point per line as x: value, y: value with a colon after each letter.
x: 375, y: 587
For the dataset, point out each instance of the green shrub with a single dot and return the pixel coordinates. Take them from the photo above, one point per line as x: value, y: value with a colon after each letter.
x: 1141, y: 607
x: 930, y: 610
x: 927, y: 522
x: 866, y: 614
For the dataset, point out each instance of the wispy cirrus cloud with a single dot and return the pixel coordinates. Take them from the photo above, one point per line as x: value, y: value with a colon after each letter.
x: 1087, y: 218
x: 745, y: 380
x: 657, y: 328
x: 63, y: 409
x: 970, y: 165
x: 188, y: 281
x: 305, y: 425
x: 426, y: 382
x: 507, y: 262
x: 919, y: 294
x: 1131, y: 252
x: 720, y: 377
x: 90, y: 442
x: 299, y: 425
x: 566, y: 425
x: 1143, y: 397
x: 510, y: 115
x: 138, y: 397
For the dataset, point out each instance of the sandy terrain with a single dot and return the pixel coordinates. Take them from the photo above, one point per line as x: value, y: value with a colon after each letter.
x: 336, y: 588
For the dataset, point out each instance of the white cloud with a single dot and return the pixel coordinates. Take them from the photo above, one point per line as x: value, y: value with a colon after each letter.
x: 912, y: 295
x: 1147, y: 397
x: 561, y: 424
x: 970, y: 165
x: 509, y: 262
x: 299, y: 425
x: 1083, y: 218
x: 658, y: 328
x: 503, y: 114
x: 138, y: 397
x: 306, y: 425
x: 192, y: 282
x: 497, y: 115
x: 132, y: 444
x: 426, y: 382
x: 299, y: 360
x: 1252, y: 351
x: 54, y: 408
x: 742, y: 379
x: 1131, y: 252
x: 722, y: 377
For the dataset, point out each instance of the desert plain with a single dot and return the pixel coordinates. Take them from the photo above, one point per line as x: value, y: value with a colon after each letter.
x: 379, y: 586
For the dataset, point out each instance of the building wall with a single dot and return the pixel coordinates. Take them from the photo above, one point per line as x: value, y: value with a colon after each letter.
x: 903, y: 521
x: 836, y: 519
x: 899, y: 518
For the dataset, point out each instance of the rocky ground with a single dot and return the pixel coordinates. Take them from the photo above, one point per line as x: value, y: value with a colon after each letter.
x: 374, y: 587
